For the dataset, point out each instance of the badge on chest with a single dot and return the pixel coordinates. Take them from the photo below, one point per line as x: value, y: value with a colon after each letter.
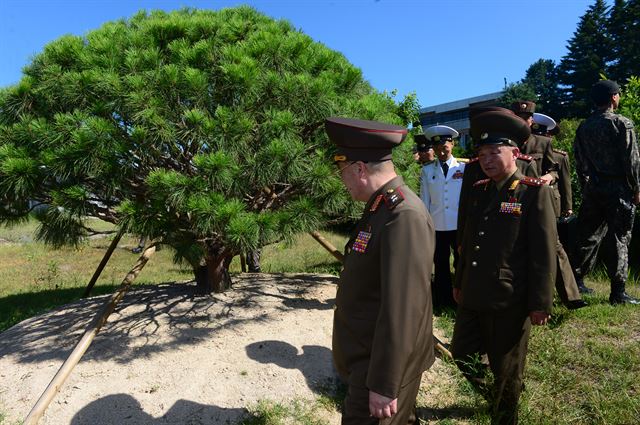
x: 513, y: 208
x: 361, y: 242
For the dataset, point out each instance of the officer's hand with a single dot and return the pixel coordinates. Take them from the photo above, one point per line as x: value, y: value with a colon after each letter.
x: 636, y: 199
x: 457, y: 295
x: 548, y: 178
x: 381, y: 406
x: 539, y: 317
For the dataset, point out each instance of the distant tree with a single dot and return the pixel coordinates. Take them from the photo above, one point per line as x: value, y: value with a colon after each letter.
x: 542, y: 76
x: 589, y: 54
x: 199, y: 129
x: 624, y: 30
x: 517, y: 91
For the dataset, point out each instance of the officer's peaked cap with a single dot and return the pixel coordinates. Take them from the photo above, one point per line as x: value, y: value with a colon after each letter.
x: 499, y: 128
x: 439, y: 134
x: 523, y: 107
x: 477, y: 110
x: 422, y: 143
x: 542, y: 123
x: 362, y: 140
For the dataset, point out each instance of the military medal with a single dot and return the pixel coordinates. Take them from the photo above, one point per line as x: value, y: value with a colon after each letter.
x: 360, y: 244
x: 514, y: 208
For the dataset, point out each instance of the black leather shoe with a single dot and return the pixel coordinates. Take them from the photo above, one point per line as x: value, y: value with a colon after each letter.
x: 576, y: 304
x: 583, y: 289
x: 623, y: 298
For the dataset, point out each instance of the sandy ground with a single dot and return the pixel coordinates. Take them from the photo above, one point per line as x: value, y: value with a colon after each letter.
x: 169, y: 357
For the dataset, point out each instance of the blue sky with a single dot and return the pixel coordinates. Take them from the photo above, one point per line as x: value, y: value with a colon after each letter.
x: 443, y: 50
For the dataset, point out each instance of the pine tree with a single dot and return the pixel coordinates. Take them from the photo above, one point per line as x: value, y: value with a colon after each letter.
x: 542, y: 76
x: 199, y: 129
x: 515, y: 92
x: 624, y: 29
x: 589, y: 54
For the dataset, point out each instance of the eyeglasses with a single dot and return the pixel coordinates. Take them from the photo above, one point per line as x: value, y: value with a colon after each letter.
x: 339, y: 171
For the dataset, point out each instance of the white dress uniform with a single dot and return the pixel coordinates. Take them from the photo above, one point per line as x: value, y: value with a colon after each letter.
x: 440, y: 194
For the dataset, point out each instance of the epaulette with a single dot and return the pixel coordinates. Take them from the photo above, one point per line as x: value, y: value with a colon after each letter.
x: 393, y: 197
x: 463, y: 160
x: 559, y: 151
x: 481, y: 182
x: 524, y: 157
x: 472, y: 160
x: 532, y: 181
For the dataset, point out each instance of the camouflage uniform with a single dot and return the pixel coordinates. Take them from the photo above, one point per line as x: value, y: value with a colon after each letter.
x: 608, y: 168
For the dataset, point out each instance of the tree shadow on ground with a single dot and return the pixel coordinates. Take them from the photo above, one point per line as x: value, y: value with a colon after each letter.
x: 186, y: 318
x: 286, y: 356
x: 118, y: 409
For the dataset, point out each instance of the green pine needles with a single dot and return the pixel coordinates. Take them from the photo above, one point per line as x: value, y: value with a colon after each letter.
x: 199, y: 129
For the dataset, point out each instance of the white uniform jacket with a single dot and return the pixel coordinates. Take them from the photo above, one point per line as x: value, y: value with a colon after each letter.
x: 441, y: 195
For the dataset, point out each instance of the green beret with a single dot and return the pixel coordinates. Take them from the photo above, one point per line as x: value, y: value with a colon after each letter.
x: 602, y: 91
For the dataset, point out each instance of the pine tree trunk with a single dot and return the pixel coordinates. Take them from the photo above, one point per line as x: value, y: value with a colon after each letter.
x: 213, y: 277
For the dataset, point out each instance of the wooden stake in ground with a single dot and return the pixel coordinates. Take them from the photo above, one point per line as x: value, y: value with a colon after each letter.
x: 340, y: 257
x: 105, y: 260
x: 92, y: 330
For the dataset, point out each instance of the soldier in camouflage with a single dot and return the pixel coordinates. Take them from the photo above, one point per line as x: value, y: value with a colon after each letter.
x: 608, y: 168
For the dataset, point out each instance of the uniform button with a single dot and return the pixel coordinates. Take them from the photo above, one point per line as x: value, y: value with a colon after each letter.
x: 481, y: 233
x: 476, y: 248
x: 485, y: 218
x: 474, y: 263
x: 447, y: 207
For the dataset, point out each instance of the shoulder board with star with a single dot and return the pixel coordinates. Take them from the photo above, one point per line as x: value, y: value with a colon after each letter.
x: 525, y: 157
x: 393, y: 197
x: 472, y: 160
x: 481, y: 182
x: 531, y: 181
x: 559, y: 151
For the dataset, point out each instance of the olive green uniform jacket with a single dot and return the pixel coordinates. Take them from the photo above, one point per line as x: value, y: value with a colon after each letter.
x: 539, y: 147
x: 508, y: 253
x: 382, y: 329
x: 473, y: 172
x: 562, y: 194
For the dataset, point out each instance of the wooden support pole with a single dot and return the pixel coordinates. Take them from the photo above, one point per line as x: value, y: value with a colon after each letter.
x: 338, y: 255
x: 103, y: 263
x: 92, y: 330
x: 327, y: 245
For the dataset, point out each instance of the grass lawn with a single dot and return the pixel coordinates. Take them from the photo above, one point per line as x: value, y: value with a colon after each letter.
x: 584, y: 368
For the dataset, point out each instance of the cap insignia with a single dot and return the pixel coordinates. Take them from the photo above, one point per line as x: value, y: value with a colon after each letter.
x: 523, y: 106
x: 484, y: 136
x: 338, y: 158
x: 436, y: 138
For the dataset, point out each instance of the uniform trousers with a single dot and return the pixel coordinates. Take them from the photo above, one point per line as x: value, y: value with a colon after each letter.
x: 606, y: 206
x: 503, y: 335
x: 442, y: 288
x: 356, y: 406
x: 566, y: 284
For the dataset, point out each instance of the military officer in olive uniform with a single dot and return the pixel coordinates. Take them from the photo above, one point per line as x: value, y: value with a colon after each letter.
x: 382, y: 331
x: 473, y: 172
x: 566, y: 284
x: 537, y: 146
x: 507, y: 265
x: 440, y: 184
x: 424, y: 150
x: 608, y: 168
